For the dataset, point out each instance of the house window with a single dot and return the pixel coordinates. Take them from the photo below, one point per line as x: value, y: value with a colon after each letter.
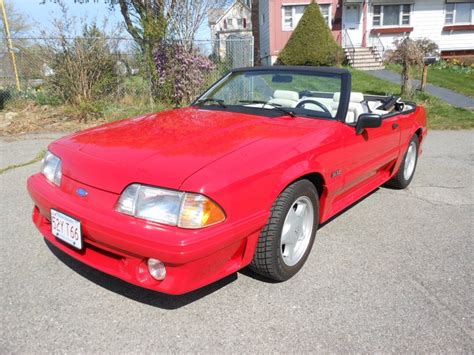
x: 291, y: 15
x: 460, y: 12
x: 391, y: 15
x: 230, y: 23
x: 240, y: 23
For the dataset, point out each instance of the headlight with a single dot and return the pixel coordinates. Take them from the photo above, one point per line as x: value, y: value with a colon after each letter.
x: 176, y: 208
x: 51, y: 168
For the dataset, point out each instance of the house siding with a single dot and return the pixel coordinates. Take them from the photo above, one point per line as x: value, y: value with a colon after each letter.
x: 221, y: 35
x: 264, y: 32
x: 427, y: 20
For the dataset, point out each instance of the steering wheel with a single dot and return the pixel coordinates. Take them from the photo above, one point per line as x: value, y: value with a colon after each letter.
x: 304, y: 102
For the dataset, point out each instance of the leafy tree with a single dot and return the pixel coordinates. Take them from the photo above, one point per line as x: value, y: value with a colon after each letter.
x: 312, y: 42
x: 410, y: 54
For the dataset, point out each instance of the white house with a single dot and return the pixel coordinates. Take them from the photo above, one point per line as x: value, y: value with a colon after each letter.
x: 231, y: 31
x: 449, y: 23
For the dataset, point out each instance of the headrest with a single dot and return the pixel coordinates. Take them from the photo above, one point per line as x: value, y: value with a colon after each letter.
x: 286, y: 94
x: 357, y: 97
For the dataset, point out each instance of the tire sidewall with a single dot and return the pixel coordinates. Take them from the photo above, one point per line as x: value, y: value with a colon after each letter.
x: 406, y: 182
x: 302, y: 188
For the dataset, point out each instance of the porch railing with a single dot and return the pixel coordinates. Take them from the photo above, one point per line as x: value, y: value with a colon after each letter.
x: 348, y: 46
x: 378, y: 46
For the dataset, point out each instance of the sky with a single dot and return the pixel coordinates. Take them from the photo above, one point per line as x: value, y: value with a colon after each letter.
x: 42, y: 14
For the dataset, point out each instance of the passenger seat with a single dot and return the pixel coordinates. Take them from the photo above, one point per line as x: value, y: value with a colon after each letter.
x: 285, y: 98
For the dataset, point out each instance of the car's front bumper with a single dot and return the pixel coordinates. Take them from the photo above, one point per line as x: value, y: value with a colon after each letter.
x: 120, y: 245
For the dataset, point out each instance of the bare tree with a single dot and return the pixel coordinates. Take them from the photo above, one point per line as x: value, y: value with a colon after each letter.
x: 147, y: 21
x: 19, y: 26
x: 410, y: 54
x: 189, y: 17
x: 150, y: 22
x: 256, y: 33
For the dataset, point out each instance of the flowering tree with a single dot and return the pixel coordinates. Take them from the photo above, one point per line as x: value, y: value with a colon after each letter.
x: 181, y: 72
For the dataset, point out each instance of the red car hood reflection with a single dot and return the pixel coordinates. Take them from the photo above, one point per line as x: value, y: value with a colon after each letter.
x: 160, y: 149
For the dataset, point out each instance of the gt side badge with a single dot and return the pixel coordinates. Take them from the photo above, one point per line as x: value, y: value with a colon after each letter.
x: 336, y: 173
x: 82, y: 192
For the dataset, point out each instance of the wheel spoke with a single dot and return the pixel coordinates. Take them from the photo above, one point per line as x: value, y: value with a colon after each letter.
x: 297, y: 230
x: 300, y: 210
x: 287, y: 235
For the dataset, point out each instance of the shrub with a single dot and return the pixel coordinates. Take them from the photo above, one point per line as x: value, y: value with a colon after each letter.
x: 312, y: 42
x: 181, y: 72
x: 83, y: 68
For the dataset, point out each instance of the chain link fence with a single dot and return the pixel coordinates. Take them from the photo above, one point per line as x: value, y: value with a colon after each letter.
x: 39, y: 66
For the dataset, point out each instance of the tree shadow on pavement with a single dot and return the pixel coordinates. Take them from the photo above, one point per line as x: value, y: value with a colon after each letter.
x: 142, y: 295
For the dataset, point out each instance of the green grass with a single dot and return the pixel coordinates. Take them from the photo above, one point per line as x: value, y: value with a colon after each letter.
x: 458, y: 81
x: 441, y: 115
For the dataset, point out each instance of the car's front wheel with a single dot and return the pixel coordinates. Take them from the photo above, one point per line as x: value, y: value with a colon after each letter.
x: 287, y: 238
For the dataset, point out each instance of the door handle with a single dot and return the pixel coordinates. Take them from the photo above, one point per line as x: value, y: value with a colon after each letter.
x: 395, y: 126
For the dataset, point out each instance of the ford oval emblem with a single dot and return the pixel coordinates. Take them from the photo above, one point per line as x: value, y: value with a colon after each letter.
x: 82, y: 192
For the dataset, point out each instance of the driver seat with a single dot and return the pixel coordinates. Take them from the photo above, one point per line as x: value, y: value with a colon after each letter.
x: 355, y: 108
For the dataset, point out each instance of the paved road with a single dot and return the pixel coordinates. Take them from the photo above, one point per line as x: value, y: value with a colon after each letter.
x: 393, y: 273
x: 450, y: 96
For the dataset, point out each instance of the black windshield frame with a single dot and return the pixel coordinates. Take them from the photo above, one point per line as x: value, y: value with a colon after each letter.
x: 344, y: 74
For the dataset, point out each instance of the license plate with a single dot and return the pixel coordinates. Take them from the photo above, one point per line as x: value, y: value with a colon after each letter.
x: 66, y: 228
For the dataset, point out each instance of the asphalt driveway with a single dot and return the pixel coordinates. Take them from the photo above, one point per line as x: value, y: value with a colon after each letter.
x: 392, y: 273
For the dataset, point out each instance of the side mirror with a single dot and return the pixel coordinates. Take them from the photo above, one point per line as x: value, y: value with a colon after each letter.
x: 368, y: 120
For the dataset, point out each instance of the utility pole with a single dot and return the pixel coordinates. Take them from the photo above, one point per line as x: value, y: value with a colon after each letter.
x: 9, y: 43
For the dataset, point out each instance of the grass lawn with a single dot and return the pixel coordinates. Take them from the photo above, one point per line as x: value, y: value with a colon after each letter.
x: 440, y: 114
x: 462, y: 83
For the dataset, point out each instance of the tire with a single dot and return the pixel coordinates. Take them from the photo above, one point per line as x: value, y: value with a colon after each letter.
x: 405, y: 173
x: 286, y: 240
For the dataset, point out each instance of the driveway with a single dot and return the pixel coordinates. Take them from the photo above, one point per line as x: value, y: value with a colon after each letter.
x: 391, y: 274
x: 450, y: 96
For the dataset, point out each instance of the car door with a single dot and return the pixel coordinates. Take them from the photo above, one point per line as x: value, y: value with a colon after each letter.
x: 370, y: 154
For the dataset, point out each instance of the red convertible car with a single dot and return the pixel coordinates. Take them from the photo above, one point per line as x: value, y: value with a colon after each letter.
x: 175, y: 200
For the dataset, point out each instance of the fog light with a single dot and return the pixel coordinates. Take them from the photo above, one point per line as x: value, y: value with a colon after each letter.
x: 156, y: 269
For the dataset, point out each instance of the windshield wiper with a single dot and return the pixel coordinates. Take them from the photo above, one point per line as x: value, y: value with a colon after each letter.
x: 211, y: 99
x: 275, y: 106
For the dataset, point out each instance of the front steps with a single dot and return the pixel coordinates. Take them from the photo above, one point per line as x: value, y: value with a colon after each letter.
x: 365, y: 58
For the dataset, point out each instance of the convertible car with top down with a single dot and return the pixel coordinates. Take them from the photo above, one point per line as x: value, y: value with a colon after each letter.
x: 173, y: 201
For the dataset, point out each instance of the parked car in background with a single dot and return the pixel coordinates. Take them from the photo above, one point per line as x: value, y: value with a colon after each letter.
x: 176, y: 200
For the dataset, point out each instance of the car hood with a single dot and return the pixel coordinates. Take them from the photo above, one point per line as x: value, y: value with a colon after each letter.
x: 159, y: 149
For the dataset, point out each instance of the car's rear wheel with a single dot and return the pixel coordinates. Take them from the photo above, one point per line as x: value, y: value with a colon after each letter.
x: 407, y: 169
x: 287, y: 238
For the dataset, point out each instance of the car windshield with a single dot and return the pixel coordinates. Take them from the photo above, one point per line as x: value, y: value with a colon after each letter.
x: 282, y: 92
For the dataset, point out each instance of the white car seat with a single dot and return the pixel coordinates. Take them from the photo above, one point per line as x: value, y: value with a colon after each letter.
x: 355, y: 108
x: 285, y: 98
x: 327, y: 102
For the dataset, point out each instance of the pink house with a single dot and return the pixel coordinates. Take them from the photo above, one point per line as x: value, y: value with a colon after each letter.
x: 278, y: 19
x: 366, y: 29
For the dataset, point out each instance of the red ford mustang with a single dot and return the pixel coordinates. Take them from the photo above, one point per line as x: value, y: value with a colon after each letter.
x: 176, y: 200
